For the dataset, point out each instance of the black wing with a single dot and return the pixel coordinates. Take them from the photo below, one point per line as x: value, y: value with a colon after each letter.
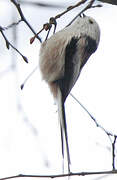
x: 77, y: 53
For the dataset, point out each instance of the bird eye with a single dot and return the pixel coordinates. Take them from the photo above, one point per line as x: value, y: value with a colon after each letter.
x: 90, y: 21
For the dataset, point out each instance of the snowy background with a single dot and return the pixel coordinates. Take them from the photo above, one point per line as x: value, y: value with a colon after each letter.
x: 29, y: 129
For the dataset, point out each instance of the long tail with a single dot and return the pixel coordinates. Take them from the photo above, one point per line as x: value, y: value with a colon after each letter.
x: 63, y: 127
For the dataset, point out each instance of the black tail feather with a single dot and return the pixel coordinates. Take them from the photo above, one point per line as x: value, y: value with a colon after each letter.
x: 63, y: 128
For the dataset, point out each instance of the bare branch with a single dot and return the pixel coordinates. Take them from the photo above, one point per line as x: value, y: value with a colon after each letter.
x: 22, y: 85
x: 17, y: 5
x: 101, y: 127
x: 11, y: 25
x: 49, y: 25
x: 8, y: 44
x: 113, y: 152
x: 94, y: 119
x: 61, y: 175
x: 70, y: 8
x: 45, y: 5
x: 89, y: 6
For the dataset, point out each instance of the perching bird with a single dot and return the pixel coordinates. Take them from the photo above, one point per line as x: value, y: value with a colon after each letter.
x: 62, y: 58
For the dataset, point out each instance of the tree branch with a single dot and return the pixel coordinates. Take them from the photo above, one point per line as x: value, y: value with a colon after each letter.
x: 103, y: 129
x: 48, y: 26
x: 113, y: 152
x: 61, y: 175
x: 70, y: 8
x: 94, y: 119
x: 11, y: 25
x: 17, y: 5
x: 8, y: 44
x: 44, y: 5
x: 90, y: 5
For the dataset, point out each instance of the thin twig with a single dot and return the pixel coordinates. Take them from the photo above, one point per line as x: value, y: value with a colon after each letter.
x: 113, y: 152
x: 70, y: 8
x: 44, y: 5
x: 60, y: 175
x: 22, y: 85
x: 93, y: 118
x: 11, y: 25
x: 106, y: 132
x: 17, y: 5
x: 56, y: 17
x: 8, y: 44
x: 90, y: 5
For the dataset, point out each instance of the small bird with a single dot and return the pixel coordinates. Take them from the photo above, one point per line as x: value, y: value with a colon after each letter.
x: 61, y: 60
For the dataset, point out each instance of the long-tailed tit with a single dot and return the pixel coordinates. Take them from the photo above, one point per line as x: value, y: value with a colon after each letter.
x: 61, y: 60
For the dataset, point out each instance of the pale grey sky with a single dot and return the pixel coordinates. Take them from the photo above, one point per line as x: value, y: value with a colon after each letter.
x: 31, y: 144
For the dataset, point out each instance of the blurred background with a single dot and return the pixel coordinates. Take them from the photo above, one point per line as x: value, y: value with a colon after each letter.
x: 29, y: 130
